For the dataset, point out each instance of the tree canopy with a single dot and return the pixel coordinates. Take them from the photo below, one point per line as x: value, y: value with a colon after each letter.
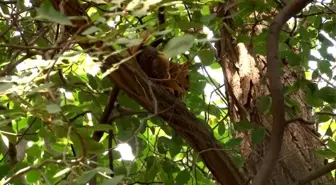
x: 76, y: 107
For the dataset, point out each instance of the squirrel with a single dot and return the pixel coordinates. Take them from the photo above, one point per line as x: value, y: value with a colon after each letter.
x: 170, y: 75
x: 153, y: 63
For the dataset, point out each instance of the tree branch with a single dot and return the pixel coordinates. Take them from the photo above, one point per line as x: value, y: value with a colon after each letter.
x: 317, y: 173
x: 128, y: 77
x: 278, y: 107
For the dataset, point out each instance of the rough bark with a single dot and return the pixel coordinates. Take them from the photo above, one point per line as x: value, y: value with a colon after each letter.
x: 245, y: 74
x: 129, y: 78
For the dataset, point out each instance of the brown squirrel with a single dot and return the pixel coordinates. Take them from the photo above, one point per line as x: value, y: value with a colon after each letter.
x: 153, y: 63
x: 170, y: 75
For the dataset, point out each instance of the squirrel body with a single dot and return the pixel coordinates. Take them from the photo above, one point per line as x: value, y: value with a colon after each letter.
x: 153, y: 63
x: 172, y: 76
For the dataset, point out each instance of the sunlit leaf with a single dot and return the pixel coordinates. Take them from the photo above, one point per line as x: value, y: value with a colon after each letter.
x: 33, y: 176
x: 62, y: 172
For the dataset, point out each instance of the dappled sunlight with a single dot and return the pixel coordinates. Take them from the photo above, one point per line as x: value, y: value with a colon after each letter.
x: 125, y: 151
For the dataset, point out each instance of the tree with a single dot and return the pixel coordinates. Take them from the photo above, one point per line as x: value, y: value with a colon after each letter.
x: 62, y: 116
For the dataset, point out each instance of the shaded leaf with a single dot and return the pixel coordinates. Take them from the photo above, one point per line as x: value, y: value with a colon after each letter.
x: 243, y: 125
x: 152, y: 168
x: 327, y: 153
x: 221, y: 128
x: 86, y: 176
x: 178, y: 45
x: 258, y: 135
x: 207, y: 57
x: 53, y: 108
x: 46, y: 11
x: 114, y: 181
x: 264, y: 103
x: 182, y: 177
x: 90, y: 30
x: 327, y: 94
x: 232, y: 143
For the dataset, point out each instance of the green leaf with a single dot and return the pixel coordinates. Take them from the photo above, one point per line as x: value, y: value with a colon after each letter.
x: 258, y: 135
x: 243, y: 125
x: 318, y: 21
x: 94, y: 146
x: 53, y: 108
x: 221, y: 128
x: 86, y: 176
x: 34, y: 150
x: 293, y: 58
x: 185, y: 25
x: 104, y: 170
x: 114, y: 181
x: 313, y: 100
x: 215, y: 65
x: 92, y: 81
x: 205, y: 10
x: 5, y: 88
x: 332, y: 145
x: 325, y: 67
x: 4, y: 169
x: 329, y: 132
x: 264, y: 103
x: 152, y: 168
x: 91, y: 30
x: 327, y: 153
x: 4, y: 8
x: 62, y: 172
x: 46, y: 11
x: 162, y: 144
x: 207, y: 57
x: 33, y: 176
x: 183, y: 177
x: 232, y: 143
x: 327, y: 94
x: 178, y: 45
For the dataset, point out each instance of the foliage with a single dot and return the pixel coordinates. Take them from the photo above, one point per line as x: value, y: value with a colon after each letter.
x: 53, y: 93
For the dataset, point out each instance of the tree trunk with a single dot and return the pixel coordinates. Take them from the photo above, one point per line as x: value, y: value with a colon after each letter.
x: 245, y: 82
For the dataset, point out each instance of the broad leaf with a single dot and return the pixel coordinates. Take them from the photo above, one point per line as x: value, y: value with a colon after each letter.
x: 178, y: 45
x: 46, y: 11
